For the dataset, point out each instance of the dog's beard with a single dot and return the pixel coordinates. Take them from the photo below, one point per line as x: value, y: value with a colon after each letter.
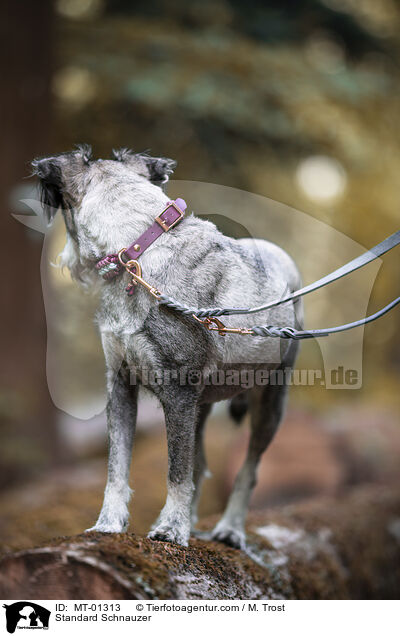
x: 69, y: 258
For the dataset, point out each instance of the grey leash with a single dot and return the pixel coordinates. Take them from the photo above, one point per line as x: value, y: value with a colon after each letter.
x: 272, y: 331
x: 209, y: 316
x: 352, y: 266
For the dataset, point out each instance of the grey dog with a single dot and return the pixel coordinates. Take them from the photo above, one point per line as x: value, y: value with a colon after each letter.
x: 106, y: 204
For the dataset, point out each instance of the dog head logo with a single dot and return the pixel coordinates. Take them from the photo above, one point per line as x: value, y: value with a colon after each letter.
x: 26, y: 615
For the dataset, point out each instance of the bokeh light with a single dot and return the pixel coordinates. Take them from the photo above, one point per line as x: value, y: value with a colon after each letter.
x: 78, y: 9
x: 74, y: 86
x: 321, y: 178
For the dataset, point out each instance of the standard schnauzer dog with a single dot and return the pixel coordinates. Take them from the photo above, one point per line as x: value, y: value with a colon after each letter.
x: 106, y: 204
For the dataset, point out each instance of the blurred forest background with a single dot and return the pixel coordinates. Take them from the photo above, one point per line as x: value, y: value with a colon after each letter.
x: 294, y: 101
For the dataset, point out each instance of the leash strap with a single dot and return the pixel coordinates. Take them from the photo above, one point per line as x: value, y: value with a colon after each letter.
x: 208, y: 317
x: 272, y: 331
x: 288, y: 332
x: 114, y: 264
x: 375, y: 252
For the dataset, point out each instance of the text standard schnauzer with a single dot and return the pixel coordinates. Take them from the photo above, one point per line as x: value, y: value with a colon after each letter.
x: 106, y: 204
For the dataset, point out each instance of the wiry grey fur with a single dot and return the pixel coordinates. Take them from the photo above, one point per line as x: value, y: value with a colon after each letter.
x: 106, y: 204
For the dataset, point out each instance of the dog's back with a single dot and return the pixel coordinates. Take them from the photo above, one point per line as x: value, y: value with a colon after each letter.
x: 207, y: 269
x: 274, y: 258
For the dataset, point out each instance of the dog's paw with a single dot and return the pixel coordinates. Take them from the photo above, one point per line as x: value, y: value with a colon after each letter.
x: 173, y: 534
x: 229, y: 535
x: 108, y: 528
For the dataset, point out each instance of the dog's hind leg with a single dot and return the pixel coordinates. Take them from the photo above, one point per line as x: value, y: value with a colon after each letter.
x: 266, y: 408
x: 200, y: 465
x: 173, y: 523
x: 121, y: 422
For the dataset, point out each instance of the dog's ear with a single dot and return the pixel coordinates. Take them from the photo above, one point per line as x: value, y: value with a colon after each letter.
x: 159, y: 168
x: 122, y: 154
x: 156, y: 169
x: 48, y: 170
x: 83, y: 152
x: 52, y: 173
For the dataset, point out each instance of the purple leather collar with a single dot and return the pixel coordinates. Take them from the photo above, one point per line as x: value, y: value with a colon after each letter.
x: 109, y: 266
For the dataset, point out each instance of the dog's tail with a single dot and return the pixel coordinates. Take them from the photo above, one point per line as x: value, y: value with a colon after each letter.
x: 238, y: 407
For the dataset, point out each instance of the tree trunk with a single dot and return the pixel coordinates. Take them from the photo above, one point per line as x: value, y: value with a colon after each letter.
x: 28, y: 435
x: 346, y: 548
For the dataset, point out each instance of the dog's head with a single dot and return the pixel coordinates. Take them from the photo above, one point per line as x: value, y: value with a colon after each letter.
x: 99, y: 198
x: 65, y: 179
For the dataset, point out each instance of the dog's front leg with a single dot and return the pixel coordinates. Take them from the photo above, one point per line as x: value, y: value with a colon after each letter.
x: 121, y: 421
x: 173, y: 523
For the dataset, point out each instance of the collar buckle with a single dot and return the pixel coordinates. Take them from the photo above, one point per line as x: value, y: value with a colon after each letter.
x: 161, y: 221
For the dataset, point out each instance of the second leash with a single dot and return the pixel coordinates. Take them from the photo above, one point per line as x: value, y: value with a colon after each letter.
x: 214, y: 324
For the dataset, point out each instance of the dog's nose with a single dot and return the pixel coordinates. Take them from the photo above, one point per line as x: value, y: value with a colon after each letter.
x: 43, y: 167
x: 47, y: 169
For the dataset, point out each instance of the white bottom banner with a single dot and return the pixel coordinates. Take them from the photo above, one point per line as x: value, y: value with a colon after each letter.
x: 149, y: 617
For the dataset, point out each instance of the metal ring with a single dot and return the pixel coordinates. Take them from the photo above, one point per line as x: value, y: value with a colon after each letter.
x: 129, y: 264
x: 138, y: 270
x: 120, y: 256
